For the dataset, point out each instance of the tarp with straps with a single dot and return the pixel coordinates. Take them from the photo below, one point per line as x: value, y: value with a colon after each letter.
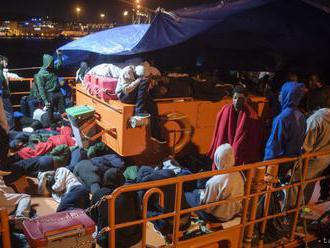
x: 270, y: 29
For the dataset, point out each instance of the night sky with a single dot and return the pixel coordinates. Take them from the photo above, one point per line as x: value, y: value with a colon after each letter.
x: 91, y: 9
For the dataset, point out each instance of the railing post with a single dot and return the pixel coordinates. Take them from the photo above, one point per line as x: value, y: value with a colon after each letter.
x: 246, y: 202
x: 177, y: 213
x: 299, y: 199
x: 258, y: 185
x: 112, y: 221
x: 145, y: 210
x: 5, y: 228
x: 272, y: 171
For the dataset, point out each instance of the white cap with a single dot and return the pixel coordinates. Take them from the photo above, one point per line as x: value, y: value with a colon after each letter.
x: 139, y: 70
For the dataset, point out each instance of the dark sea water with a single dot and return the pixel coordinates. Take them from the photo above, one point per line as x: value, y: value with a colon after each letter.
x: 27, y: 52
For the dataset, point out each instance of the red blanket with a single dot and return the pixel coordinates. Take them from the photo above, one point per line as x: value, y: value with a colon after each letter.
x: 43, y: 148
x: 40, y: 149
x: 243, y: 132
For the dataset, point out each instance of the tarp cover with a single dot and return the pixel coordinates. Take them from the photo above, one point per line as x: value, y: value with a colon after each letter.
x: 260, y: 31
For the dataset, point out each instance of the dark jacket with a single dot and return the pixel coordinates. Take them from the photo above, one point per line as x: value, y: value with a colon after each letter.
x: 127, y: 209
x: 288, y: 131
x: 108, y: 161
x: 29, y: 167
x: 87, y: 173
x: 147, y: 174
x: 92, y: 171
x: 46, y: 81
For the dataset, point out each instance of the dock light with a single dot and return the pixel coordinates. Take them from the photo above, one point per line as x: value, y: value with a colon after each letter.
x: 102, y: 15
x: 125, y: 13
x: 78, y: 10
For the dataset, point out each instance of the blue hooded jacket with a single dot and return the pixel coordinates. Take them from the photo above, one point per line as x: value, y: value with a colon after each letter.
x: 288, y: 131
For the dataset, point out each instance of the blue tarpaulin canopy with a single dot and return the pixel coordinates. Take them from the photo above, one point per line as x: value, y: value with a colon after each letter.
x: 250, y: 33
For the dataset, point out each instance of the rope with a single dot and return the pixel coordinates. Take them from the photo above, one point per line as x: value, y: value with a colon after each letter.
x: 24, y: 69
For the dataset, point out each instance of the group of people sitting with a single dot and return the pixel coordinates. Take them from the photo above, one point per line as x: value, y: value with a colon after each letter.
x: 78, y: 178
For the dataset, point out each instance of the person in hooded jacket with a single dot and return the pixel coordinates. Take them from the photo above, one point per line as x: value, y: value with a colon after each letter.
x: 288, y: 129
x: 127, y: 209
x: 46, y: 87
x: 220, y: 187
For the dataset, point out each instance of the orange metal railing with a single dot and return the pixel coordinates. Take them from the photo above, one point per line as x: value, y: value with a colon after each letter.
x: 255, y: 186
x: 30, y: 82
x: 4, y: 228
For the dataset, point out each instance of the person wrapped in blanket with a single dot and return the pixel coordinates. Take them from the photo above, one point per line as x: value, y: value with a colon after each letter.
x: 238, y: 124
x: 218, y: 188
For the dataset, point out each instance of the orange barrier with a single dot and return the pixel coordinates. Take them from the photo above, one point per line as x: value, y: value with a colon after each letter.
x: 30, y: 81
x: 4, y: 228
x: 240, y: 234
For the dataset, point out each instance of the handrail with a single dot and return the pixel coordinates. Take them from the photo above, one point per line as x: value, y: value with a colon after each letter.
x: 145, y: 208
x: 30, y: 81
x: 4, y: 228
x: 248, y: 195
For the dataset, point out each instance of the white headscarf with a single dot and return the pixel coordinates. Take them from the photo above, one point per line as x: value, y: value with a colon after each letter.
x: 224, y: 157
x: 139, y: 70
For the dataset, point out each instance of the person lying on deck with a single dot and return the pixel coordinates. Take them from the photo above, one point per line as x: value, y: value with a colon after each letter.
x: 218, y: 188
x: 65, y: 188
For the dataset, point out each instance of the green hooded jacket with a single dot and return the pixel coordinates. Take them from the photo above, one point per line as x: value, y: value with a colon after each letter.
x: 46, y: 81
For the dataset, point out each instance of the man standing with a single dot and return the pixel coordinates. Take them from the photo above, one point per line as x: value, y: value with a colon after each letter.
x: 238, y: 125
x: 288, y: 130
x: 4, y: 139
x: 6, y: 92
x: 46, y: 87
